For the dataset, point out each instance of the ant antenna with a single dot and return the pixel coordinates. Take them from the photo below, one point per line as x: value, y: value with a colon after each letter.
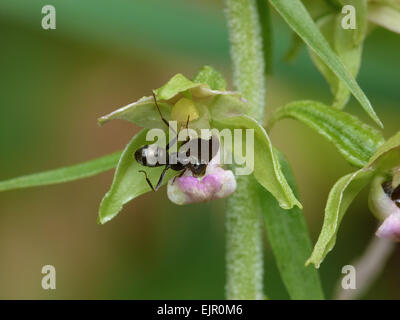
x: 159, y: 111
x: 187, y: 128
x: 166, y: 123
x: 187, y: 122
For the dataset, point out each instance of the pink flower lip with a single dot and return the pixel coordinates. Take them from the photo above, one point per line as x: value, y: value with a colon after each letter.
x: 390, y: 228
x: 215, y: 184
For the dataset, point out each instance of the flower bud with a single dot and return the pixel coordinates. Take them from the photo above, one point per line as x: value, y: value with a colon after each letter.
x: 183, y: 109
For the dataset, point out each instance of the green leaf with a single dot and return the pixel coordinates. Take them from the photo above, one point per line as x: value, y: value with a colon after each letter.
x: 386, y: 15
x: 142, y: 113
x: 128, y: 182
x: 299, y: 20
x: 267, y: 170
x: 355, y: 140
x: 211, y: 77
x: 290, y: 243
x: 346, y: 189
x: 61, y: 175
x: 340, y: 197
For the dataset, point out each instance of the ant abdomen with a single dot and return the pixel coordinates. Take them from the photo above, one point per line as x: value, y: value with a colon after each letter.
x: 151, y: 155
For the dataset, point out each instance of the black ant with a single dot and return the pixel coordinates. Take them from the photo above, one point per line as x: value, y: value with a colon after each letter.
x: 149, y: 155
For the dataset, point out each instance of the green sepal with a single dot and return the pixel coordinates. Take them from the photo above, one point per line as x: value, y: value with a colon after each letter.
x: 128, y: 182
x: 267, y: 169
x: 340, y: 197
x: 144, y: 113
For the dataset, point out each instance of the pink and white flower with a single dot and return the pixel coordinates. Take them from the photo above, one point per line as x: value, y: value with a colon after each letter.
x: 216, y: 183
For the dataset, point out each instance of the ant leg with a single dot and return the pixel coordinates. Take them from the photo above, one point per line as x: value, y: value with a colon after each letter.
x: 161, y: 178
x: 148, y: 180
x: 173, y: 141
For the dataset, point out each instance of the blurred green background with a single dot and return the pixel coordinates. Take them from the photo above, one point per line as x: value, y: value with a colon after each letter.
x: 104, y: 54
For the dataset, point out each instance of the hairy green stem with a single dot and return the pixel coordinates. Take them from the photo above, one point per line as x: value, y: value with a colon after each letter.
x: 244, y: 245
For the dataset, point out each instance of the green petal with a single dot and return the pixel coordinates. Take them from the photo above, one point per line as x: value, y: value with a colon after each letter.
x: 228, y: 106
x: 177, y: 84
x: 208, y: 75
x: 128, y: 182
x: 386, y: 15
x: 299, y: 20
x: 355, y: 140
x: 288, y: 236
x: 267, y: 169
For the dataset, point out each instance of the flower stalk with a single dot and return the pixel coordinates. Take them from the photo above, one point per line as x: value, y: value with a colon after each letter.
x: 244, y: 243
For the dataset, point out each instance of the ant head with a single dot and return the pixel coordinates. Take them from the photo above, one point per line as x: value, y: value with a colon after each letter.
x: 198, y: 168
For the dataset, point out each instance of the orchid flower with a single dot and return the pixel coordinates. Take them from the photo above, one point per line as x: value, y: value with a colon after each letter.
x: 208, y: 105
x: 381, y: 172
